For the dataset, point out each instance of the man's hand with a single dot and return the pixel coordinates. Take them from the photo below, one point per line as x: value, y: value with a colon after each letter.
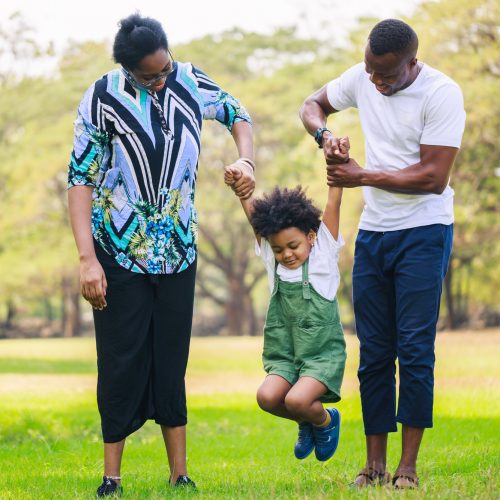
x: 240, y: 177
x: 336, y: 150
x: 93, y: 283
x: 344, y: 175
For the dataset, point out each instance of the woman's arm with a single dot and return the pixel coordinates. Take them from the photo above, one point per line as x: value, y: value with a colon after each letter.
x: 243, y: 138
x: 89, y: 148
x: 221, y: 106
x: 92, y: 278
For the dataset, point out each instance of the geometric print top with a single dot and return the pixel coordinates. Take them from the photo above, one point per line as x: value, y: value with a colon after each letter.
x: 144, y: 173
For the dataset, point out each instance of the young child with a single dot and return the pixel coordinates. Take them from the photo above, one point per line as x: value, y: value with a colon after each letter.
x: 304, y: 348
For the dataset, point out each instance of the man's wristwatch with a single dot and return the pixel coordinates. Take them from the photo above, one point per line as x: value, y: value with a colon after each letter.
x: 318, y: 136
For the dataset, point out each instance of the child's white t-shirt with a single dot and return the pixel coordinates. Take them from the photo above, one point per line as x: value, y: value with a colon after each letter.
x: 323, y: 268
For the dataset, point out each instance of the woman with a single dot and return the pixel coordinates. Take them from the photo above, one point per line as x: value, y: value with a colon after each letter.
x: 132, y: 178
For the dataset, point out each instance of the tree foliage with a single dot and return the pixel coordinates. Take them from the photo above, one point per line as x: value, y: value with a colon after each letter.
x: 271, y: 75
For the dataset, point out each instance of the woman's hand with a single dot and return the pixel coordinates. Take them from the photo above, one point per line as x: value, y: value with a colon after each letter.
x: 240, y: 177
x: 93, y: 282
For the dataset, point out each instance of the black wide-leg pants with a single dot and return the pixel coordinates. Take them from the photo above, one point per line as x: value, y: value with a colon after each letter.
x: 142, y: 340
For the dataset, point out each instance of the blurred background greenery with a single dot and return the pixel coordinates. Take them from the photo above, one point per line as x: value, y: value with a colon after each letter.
x: 271, y: 74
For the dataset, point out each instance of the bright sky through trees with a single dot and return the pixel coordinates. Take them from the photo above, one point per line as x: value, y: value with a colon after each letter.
x: 60, y: 20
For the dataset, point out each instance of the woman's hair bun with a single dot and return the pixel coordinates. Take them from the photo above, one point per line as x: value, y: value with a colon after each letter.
x: 128, y: 24
x: 137, y: 37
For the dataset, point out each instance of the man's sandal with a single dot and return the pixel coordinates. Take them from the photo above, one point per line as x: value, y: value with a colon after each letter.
x: 405, y: 481
x: 371, y: 477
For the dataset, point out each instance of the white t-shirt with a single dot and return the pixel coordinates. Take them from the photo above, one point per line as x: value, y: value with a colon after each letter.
x: 430, y: 111
x: 323, y: 266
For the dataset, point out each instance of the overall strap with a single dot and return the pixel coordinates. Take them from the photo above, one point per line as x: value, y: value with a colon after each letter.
x: 306, y: 289
x: 276, y: 279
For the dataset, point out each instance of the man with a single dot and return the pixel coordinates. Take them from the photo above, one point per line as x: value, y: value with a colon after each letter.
x: 413, y: 119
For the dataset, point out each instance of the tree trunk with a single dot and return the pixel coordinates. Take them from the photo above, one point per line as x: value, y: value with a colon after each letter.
x: 237, y: 302
x: 451, y: 319
x: 71, y: 320
x: 465, y: 316
x: 254, y: 329
x: 240, y: 313
x: 11, y: 313
x: 49, y: 313
x: 345, y: 296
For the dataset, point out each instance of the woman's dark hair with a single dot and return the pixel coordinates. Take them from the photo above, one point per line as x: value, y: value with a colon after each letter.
x: 284, y: 208
x: 137, y: 38
x: 392, y: 35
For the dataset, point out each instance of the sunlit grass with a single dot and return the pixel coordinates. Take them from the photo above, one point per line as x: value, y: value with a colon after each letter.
x: 50, y: 437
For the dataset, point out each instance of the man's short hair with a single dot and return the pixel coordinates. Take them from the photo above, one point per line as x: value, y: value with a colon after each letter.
x: 393, y: 35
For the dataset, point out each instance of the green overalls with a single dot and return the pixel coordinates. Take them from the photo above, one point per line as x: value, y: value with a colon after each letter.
x: 303, y: 336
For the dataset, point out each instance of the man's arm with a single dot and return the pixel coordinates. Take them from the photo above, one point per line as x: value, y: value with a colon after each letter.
x: 314, y: 113
x: 429, y: 175
x: 315, y: 110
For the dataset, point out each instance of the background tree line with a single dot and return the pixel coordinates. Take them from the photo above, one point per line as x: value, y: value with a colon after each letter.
x: 271, y: 75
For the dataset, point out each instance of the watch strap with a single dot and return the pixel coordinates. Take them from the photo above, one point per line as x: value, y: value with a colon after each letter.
x: 318, y: 136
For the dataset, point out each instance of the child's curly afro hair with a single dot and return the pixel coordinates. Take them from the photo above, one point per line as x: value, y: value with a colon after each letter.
x: 284, y: 208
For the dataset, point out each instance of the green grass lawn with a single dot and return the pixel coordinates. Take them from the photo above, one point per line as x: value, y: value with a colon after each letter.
x: 50, y: 438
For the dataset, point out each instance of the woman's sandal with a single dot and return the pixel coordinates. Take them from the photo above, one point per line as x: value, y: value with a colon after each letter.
x: 371, y: 477
x: 405, y: 481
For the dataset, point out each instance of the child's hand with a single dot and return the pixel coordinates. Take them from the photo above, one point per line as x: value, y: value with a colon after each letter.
x: 344, y: 145
x: 240, y: 177
x: 231, y: 175
x: 336, y: 149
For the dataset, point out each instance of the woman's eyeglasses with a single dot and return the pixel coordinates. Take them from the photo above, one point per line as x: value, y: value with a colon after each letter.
x: 150, y: 82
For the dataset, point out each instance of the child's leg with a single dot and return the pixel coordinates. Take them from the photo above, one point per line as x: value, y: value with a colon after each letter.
x: 302, y: 401
x: 319, y: 428
x: 271, y: 396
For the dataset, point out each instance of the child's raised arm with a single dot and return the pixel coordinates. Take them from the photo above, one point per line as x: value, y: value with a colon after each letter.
x: 331, y: 214
x: 231, y: 175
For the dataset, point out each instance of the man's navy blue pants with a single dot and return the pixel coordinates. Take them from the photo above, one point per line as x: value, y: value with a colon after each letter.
x: 397, y: 284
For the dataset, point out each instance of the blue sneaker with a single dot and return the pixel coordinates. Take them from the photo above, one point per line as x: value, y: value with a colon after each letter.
x: 305, y: 441
x: 327, y: 438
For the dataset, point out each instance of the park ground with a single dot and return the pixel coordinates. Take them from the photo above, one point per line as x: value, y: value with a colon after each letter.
x: 50, y: 436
